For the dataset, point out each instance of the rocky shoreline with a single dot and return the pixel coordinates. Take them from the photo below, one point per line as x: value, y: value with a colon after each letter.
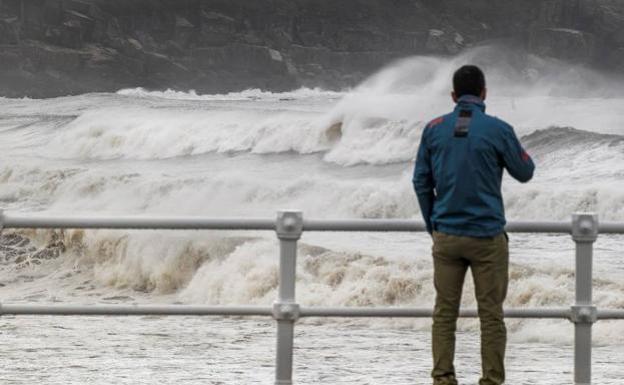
x: 58, y: 47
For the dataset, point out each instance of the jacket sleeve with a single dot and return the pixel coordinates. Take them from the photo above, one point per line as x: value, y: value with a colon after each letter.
x: 516, y: 160
x: 423, y: 182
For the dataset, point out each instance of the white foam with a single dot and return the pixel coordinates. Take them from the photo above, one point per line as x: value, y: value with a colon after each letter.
x: 381, y: 119
x: 142, y: 133
x: 173, y: 153
x: 250, y: 94
x: 233, y: 270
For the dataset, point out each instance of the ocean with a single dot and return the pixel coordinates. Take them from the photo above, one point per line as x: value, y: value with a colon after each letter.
x: 347, y: 154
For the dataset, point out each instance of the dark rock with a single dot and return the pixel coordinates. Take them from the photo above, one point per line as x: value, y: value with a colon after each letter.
x: 162, y: 66
x: 9, y: 31
x: 444, y: 42
x: 70, y: 34
x: 174, y: 49
x: 563, y: 43
x: 54, y: 47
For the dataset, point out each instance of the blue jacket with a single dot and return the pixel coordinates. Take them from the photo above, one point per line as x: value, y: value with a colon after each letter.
x: 459, y: 169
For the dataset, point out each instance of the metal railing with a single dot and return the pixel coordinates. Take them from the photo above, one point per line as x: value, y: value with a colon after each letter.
x: 289, y: 226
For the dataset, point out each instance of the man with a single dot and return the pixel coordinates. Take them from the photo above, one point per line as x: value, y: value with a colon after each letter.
x: 457, y: 179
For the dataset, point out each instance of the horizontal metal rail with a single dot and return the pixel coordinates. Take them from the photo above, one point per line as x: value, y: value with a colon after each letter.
x: 611, y: 228
x: 325, y: 225
x: 425, y: 312
x: 135, y: 310
x: 376, y: 225
x: 146, y: 223
x: 316, y: 311
x: 610, y: 314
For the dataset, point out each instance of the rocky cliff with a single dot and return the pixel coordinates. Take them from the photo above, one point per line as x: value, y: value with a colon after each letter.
x: 59, y: 47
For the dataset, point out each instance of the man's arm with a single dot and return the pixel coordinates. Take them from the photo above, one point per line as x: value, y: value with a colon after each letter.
x: 423, y: 182
x: 517, y: 161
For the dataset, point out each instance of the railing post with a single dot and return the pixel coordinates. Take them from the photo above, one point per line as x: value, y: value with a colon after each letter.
x: 285, y: 309
x: 583, y: 313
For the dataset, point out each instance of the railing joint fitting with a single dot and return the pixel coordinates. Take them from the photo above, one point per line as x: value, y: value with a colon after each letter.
x: 286, y: 311
x: 584, y: 227
x: 583, y: 314
x: 289, y: 225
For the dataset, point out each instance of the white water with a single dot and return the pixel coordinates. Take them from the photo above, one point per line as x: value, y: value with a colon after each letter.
x: 251, y: 153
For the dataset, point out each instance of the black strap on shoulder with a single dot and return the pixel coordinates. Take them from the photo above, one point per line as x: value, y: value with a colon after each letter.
x: 463, y: 123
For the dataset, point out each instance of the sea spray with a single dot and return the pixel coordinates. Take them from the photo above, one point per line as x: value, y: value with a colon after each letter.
x: 333, y: 155
x: 234, y: 270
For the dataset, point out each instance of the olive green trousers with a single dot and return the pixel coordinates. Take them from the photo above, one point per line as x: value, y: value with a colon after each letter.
x: 488, y: 259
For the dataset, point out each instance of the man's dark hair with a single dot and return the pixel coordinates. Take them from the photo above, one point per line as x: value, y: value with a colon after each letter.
x: 468, y: 80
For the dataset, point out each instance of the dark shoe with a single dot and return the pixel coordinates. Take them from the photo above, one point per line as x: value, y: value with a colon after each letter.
x: 446, y: 380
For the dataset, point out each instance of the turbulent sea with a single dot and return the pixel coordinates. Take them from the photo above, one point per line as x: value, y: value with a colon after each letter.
x: 330, y: 154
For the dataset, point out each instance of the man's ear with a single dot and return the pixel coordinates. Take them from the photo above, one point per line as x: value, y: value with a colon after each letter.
x: 484, y: 94
x: 454, y: 96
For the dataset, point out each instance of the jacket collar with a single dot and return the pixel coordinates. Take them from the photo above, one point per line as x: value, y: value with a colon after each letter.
x: 468, y: 100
